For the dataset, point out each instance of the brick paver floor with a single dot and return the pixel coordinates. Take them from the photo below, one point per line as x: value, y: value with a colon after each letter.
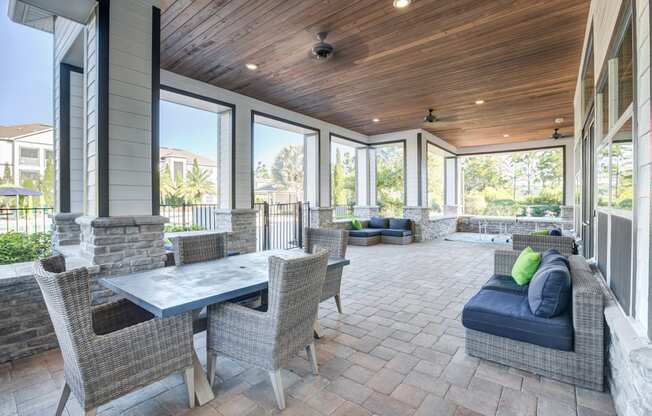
x: 398, y: 349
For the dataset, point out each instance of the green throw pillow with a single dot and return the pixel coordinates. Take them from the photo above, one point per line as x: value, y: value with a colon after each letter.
x: 356, y: 224
x: 542, y: 232
x: 525, y: 267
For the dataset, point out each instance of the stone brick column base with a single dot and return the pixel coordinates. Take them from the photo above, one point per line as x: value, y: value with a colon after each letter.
x: 421, y: 218
x: 365, y: 211
x: 451, y: 210
x: 121, y: 245
x: 65, y: 231
x: 321, y: 217
x: 241, y: 224
x: 567, y: 216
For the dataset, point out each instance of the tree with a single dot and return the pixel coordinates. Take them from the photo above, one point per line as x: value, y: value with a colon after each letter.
x: 287, y: 170
x: 46, y: 184
x: 339, y: 193
x: 172, y: 193
x: 198, y: 183
x: 7, y: 177
x: 435, y: 181
x: 389, y: 180
x: 262, y: 172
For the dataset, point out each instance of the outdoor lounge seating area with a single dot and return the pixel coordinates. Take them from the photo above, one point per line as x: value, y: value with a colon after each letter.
x: 378, y: 230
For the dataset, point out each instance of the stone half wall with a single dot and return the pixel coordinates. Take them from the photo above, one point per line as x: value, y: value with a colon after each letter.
x: 504, y: 225
x: 241, y: 226
x: 121, y: 245
x: 65, y: 231
x: 629, y: 361
x: 321, y: 217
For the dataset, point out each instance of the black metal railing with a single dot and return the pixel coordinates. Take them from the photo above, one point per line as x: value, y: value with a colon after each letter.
x: 26, y: 220
x: 190, y: 216
x: 280, y: 226
x: 342, y: 212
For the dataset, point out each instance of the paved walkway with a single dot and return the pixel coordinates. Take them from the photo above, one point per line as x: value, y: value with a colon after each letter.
x: 398, y: 349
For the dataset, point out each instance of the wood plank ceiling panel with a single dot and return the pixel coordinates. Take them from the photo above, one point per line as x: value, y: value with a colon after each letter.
x: 520, y: 56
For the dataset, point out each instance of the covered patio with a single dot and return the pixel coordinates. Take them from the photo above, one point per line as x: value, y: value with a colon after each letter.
x: 421, y: 153
x: 398, y: 349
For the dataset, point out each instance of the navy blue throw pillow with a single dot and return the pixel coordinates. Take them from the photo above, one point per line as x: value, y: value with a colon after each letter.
x: 549, y: 293
x: 555, y: 232
x: 553, y: 256
x: 378, y: 222
x: 399, y: 224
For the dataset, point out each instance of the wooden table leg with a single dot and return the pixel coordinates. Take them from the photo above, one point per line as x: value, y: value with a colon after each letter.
x: 203, y: 390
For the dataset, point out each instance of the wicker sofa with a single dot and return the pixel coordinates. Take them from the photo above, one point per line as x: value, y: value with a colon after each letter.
x: 565, y: 245
x: 371, y: 234
x: 580, y: 363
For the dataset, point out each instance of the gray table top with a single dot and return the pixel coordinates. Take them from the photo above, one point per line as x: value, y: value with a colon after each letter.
x: 173, y: 290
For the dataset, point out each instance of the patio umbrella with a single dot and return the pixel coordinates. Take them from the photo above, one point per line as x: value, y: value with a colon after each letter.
x: 18, y: 192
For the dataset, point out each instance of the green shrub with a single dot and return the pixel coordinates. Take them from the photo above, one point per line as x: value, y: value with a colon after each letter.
x: 17, y: 247
x: 176, y: 228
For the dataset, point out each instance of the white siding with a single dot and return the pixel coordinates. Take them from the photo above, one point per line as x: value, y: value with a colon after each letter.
x: 644, y: 164
x: 90, y: 85
x: 65, y: 33
x: 76, y: 142
x: 130, y: 191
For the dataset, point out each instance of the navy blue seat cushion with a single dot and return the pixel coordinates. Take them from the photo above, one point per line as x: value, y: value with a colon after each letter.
x: 505, y: 283
x: 378, y: 222
x: 365, y: 232
x: 395, y: 233
x: 549, y: 293
x: 508, y: 315
x: 399, y: 224
x: 555, y: 231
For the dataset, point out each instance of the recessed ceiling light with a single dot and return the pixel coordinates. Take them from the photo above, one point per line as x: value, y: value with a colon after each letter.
x: 505, y: 135
x: 401, y: 4
x: 478, y: 102
x: 375, y: 120
x: 559, y: 120
x: 252, y: 67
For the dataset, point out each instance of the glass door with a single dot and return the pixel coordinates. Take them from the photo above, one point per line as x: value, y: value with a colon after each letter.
x: 588, y: 209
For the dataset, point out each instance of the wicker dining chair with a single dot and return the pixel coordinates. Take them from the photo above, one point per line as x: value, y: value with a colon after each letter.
x: 336, y: 242
x: 270, y: 339
x: 198, y: 247
x: 111, y: 349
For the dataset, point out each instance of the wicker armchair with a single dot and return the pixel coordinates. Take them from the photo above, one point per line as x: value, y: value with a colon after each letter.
x: 270, y: 339
x: 584, y: 365
x: 194, y: 248
x: 198, y: 247
x: 335, y: 241
x: 565, y: 245
x: 112, y: 349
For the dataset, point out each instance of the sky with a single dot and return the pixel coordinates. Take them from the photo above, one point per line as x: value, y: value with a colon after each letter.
x: 25, y: 73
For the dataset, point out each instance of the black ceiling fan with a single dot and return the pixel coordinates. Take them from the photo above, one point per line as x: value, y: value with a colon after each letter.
x: 557, y: 135
x: 430, y: 118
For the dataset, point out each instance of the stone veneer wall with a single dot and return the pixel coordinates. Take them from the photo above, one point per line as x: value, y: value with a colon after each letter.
x: 241, y: 224
x: 65, y: 231
x: 321, y: 217
x: 503, y: 225
x: 121, y: 245
x: 630, y: 364
x: 365, y: 212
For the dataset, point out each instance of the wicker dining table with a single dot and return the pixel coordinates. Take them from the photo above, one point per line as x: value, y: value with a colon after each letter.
x: 175, y: 290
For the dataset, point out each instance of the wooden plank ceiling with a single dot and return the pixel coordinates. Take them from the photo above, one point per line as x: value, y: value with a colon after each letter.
x: 520, y: 56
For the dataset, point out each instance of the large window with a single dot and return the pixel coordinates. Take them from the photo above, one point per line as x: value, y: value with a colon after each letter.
x: 435, y: 175
x: 615, y: 166
x: 280, y: 156
x: 30, y: 156
x: 528, y: 183
x: 343, y: 176
x: 193, y: 131
x: 390, y: 176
